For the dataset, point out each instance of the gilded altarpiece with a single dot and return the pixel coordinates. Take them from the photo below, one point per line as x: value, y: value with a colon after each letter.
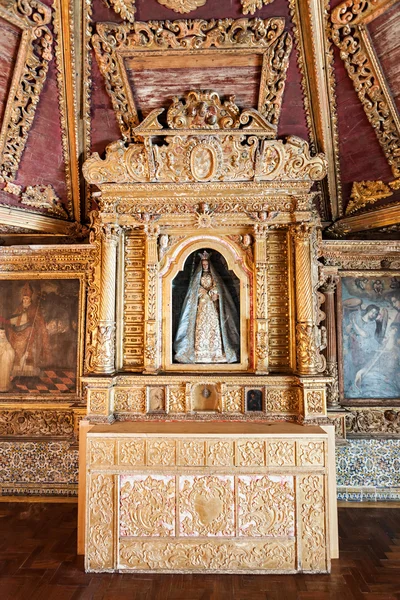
x: 205, y: 307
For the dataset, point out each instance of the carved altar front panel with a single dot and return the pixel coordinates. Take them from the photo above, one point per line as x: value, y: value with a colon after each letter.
x: 237, y: 498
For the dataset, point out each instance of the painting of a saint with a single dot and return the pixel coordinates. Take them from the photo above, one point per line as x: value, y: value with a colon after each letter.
x: 254, y: 400
x: 38, y: 336
x: 208, y: 325
x: 371, y: 337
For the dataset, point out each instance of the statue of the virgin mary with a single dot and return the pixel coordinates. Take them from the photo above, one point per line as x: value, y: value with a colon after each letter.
x: 207, y: 330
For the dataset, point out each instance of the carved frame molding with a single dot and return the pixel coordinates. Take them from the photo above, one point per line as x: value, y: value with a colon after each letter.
x: 350, y: 34
x: 113, y: 43
x: 34, y: 54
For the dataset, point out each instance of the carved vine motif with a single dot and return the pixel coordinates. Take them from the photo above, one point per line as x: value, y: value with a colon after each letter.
x: 282, y: 401
x: 130, y: 401
x: 281, y: 453
x: 205, y: 556
x: 313, y: 526
x: 36, y: 423
x: 182, y: 6
x: 132, y: 452
x: 308, y: 352
x: 233, y: 399
x: 311, y: 453
x: 220, y: 453
x: 251, y: 454
x: 266, y: 35
x: 99, y: 553
x: 315, y: 402
x: 192, y: 453
x: 98, y: 401
x: 364, y: 193
x: 125, y: 8
x: 147, y: 506
x: 350, y: 35
x: 206, y: 505
x: 101, y: 452
x: 266, y: 506
x: 160, y: 452
x: 27, y: 82
x: 250, y: 6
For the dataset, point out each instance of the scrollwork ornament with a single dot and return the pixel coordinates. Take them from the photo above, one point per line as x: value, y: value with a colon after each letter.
x: 125, y: 8
x: 182, y: 6
x: 251, y: 6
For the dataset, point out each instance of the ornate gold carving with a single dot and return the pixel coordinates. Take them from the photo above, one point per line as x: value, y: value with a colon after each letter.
x: 206, y: 505
x: 266, y: 505
x: 312, y: 523
x: 220, y: 453
x: 203, y: 110
x: 43, y: 196
x: 134, y: 298
x: 267, y: 37
x: 192, y: 453
x: 251, y: 453
x: 276, y: 160
x: 364, y: 193
x: 132, y: 452
x: 233, y: 399
x: 208, y: 556
x: 125, y: 8
x: 147, y: 505
x: 315, y: 402
x: 133, y: 400
x: 311, y: 453
x: 63, y: 22
x: 311, y: 30
x: 282, y: 401
x: 101, y: 452
x: 160, y: 452
x: 281, y: 454
x: 308, y: 352
x: 250, y: 6
x: 34, y: 54
x: 361, y: 255
x: 379, y: 421
x: 37, y: 423
x: 12, y: 188
x: 100, y: 536
x: 176, y: 399
x: 350, y: 35
x: 98, y: 401
x: 182, y: 6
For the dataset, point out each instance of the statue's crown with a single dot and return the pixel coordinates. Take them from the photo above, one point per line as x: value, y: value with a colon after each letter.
x: 205, y: 255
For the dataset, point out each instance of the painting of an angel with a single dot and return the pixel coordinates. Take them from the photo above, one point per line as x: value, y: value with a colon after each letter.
x: 208, y: 325
x: 371, y: 340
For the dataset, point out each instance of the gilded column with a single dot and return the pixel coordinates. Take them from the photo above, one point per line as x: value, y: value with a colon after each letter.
x: 104, y: 358
x: 328, y: 289
x: 152, y: 342
x: 261, y: 304
x: 308, y: 342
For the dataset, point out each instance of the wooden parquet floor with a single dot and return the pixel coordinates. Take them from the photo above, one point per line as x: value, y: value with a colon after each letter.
x: 38, y: 562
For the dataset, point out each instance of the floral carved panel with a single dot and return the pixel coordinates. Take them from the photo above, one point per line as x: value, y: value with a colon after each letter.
x: 147, y: 505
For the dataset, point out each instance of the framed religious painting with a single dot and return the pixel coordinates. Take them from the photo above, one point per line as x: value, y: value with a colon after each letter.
x: 41, y: 334
x: 369, y: 338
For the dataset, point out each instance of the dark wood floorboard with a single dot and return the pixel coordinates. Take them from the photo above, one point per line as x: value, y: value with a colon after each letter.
x: 38, y: 562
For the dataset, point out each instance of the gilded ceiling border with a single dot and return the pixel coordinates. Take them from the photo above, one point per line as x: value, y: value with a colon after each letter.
x: 34, y: 55
x: 65, y: 61
x: 361, y: 255
x: 85, y: 92
x: 350, y: 34
x: 113, y: 43
x: 315, y: 60
x: 374, y: 219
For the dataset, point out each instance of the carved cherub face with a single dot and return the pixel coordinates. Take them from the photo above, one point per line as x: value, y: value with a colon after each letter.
x: 2, y: 335
x: 247, y: 240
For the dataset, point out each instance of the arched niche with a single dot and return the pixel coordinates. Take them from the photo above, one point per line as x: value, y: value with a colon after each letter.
x: 176, y: 268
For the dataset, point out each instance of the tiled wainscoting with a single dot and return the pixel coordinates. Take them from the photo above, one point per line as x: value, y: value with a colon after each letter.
x: 368, y: 470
